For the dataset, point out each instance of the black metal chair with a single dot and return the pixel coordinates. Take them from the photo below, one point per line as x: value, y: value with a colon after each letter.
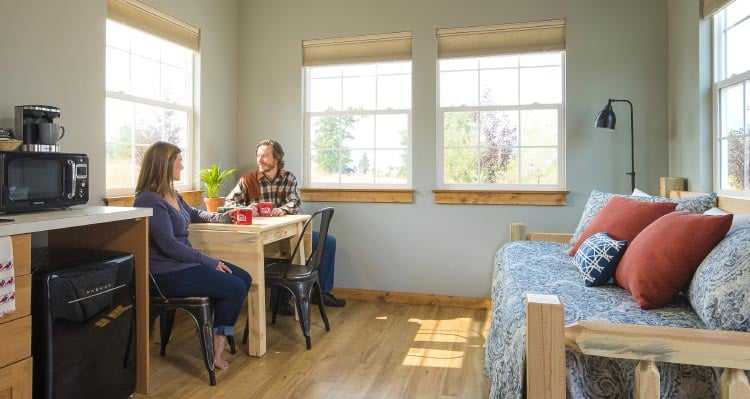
x: 301, y: 280
x: 200, y: 308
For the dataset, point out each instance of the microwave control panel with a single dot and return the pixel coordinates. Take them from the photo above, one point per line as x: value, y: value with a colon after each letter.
x: 80, y: 168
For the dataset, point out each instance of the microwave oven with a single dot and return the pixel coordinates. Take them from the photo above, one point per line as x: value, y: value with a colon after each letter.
x: 40, y: 180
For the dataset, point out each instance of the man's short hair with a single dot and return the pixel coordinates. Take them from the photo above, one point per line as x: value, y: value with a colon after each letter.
x: 278, y: 152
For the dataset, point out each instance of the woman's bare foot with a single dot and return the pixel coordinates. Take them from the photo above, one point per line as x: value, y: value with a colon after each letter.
x: 219, y: 342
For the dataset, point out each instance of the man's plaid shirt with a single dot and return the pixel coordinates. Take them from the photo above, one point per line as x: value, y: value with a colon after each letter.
x: 254, y: 187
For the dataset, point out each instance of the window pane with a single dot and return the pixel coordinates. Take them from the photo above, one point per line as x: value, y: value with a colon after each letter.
x: 460, y: 165
x: 149, y: 122
x: 738, y: 58
x: 499, y: 87
x: 538, y: 166
x: 359, y: 93
x: 145, y: 45
x: 329, y: 132
x: 173, y: 85
x: 145, y: 78
x: 500, y: 61
x: 175, y: 55
x: 325, y: 71
x: 459, y: 88
x: 499, y: 128
x: 325, y: 166
x: 118, y: 36
x: 363, y: 133
x: 541, y: 85
x: 541, y: 59
x: 325, y: 95
x: 119, y: 123
x: 498, y: 165
x: 735, y: 152
x: 460, y: 129
x: 539, y: 127
x: 360, y: 170
x: 458, y: 64
x: 120, y: 166
x: 394, y: 67
x: 392, y: 131
x: 732, y: 111
x: 118, y: 70
x: 358, y: 70
x: 394, y: 92
x: 175, y: 127
x: 390, y: 166
x: 736, y: 11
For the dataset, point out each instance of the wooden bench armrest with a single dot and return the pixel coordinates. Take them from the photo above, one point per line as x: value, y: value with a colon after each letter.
x: 518, y: 233
x: 712, y: 348
x: 546, y: 339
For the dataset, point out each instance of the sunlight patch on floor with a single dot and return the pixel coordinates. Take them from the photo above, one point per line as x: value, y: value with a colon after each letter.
x: 438, y: 331
x: 425, y: 357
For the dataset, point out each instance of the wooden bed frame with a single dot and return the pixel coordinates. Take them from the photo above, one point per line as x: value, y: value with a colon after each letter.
x: 547, y: 337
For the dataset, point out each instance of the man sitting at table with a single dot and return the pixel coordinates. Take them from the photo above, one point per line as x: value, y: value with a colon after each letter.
x: 271, y: 183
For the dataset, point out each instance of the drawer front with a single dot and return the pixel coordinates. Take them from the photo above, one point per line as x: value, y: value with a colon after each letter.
x: 15, y: 380
x: 279, y: 233
x: 16, y: 338
x: 21, y: 254
x: 23, y: 299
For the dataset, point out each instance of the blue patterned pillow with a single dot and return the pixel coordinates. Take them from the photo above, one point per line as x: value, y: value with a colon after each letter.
x: 720, y: 289
x: 598, y: 199
x: 598, y: 257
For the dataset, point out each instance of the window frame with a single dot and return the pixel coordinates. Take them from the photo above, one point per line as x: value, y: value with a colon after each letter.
x: 721, y: 82
x: 188, y: 150
x: 561, y: 147
x: 308, y: 133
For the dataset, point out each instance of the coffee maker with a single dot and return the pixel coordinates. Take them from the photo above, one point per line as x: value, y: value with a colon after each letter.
x: 28, y: 119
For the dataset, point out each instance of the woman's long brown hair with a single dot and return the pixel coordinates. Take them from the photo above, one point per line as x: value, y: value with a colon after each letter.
x: 157, y: 169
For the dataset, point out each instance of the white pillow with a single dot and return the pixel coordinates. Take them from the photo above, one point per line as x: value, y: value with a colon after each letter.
x: 737, y: 221
x: 639, y: 193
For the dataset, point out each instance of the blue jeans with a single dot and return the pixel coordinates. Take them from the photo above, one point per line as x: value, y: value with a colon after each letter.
x: 327, y: 263
x: 227, y: 290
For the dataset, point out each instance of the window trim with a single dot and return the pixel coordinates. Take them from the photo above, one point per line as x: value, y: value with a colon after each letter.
x: 189, y: 154
x: 721, y: 82
x: 307, y: 139
x: 561, y: 144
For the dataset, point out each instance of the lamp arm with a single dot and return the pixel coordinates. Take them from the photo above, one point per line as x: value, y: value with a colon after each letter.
x: 632, y: 143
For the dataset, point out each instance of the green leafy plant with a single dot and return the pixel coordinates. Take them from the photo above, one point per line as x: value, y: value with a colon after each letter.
x: 212, y: 176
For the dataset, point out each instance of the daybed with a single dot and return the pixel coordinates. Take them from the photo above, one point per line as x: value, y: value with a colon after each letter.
x: 601, y: 344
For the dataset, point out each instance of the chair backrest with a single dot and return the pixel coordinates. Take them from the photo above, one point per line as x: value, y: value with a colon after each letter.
x: 325, y: 215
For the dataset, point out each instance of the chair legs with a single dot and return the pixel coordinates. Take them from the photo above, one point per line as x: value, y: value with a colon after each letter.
x: 301, y: 294
x: 206, y: 335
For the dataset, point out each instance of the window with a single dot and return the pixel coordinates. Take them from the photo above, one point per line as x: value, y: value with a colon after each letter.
x: 149, y: 97
x: 732, y: 98
x: 501, y: 114
x: 358, y: 111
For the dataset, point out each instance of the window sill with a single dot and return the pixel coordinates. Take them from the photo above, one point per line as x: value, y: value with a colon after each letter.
x: 192, y: 197
x: 482, y: 197
x: 357, y: 195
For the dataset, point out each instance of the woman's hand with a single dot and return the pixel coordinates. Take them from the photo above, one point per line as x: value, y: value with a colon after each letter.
x: 233, y: 215
x: 277, y: 212
x: 223, y: 268
x: 254, y: 207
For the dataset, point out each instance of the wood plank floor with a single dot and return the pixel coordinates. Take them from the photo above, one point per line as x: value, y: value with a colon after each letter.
x: 374, y: 350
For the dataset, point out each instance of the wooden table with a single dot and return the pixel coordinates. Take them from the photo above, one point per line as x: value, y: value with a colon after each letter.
x: 246, y: 246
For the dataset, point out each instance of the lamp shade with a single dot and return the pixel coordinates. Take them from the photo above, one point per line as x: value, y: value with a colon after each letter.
x: 606, y: 118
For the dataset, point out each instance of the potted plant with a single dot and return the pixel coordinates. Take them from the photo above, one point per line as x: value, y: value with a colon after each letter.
x: 212, y: 177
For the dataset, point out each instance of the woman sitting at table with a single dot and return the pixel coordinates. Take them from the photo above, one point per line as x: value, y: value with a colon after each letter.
x: 178, y: 268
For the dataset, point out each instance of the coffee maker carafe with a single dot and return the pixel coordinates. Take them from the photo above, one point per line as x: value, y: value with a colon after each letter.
x: 28, y: 120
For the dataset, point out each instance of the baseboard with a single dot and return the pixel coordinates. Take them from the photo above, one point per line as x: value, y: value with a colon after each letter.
x: 414, y: 299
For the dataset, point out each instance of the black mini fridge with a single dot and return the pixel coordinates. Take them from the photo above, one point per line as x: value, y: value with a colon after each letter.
x: 83, y: 343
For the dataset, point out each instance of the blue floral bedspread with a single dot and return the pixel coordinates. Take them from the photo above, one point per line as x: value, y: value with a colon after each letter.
x: 546, y: 268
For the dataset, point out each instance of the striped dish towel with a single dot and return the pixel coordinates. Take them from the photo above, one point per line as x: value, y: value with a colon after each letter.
x: 7, y: 277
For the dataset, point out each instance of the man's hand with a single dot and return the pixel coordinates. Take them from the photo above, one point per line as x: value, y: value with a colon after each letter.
x: 278, y: 212
x: 223, y: 268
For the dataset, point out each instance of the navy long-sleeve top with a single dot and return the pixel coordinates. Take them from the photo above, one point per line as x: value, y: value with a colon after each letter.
x: 169, y: 248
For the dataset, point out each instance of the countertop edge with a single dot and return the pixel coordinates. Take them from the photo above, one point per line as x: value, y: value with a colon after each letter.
x: 32, y: 222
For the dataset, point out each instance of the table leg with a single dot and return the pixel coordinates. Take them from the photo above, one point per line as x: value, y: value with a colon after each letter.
x: 256, y: 304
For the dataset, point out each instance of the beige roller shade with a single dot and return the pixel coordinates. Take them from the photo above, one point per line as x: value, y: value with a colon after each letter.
x: 523, y: 37
x: 148, y: 19
x: 357, y: 49
x: 711, y: 7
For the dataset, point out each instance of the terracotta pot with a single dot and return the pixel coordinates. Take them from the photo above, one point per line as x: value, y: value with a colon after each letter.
x: 213, y: 203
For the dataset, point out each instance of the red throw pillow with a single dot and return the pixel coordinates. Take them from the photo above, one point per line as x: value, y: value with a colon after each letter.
x: 623, y: 218
x: 663, y: 258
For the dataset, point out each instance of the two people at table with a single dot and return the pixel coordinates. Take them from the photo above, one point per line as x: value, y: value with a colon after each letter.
x: 272, y: 183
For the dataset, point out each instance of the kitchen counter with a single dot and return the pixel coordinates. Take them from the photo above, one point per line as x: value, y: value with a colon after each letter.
x: 99, y: 227
x: 45, y: 220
